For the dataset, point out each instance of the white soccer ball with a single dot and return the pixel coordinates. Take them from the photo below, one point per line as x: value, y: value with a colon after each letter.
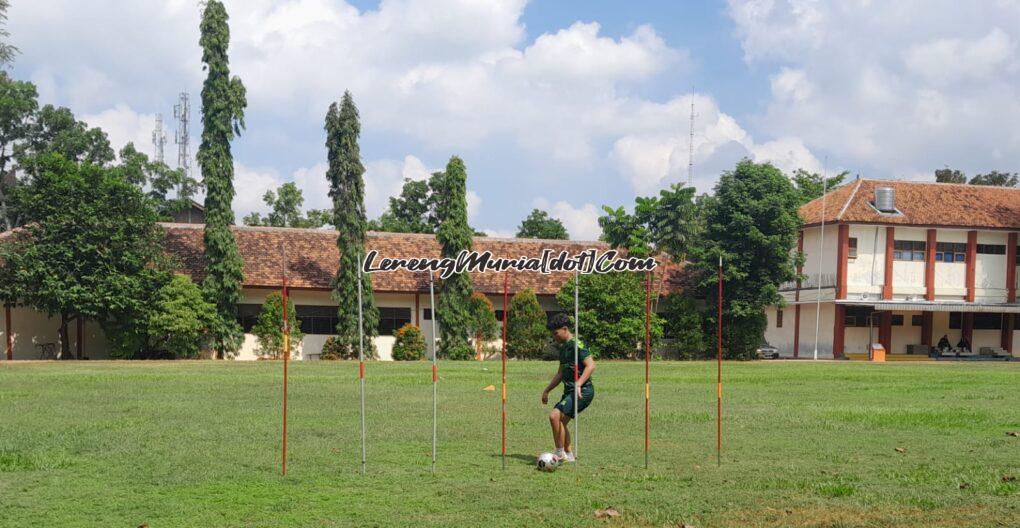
x: 547, y: 462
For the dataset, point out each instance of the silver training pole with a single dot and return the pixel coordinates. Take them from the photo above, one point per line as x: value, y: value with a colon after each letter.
x: 435, y: 377
x: 821, y: 247
x: 577, y: 335
x: 361, y: 366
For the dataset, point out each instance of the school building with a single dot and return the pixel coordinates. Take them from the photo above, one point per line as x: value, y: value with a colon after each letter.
x: 312, y: 258
x: 903, y: 264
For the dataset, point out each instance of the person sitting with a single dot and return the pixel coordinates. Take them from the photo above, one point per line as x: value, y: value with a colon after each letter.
x: 964, y: 345
x: 944, y: 344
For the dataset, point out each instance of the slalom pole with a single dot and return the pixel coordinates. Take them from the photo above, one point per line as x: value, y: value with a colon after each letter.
x: 361, y: 366
x: 648, y: 349
x: 506, y: 310
x: 435, y: 376
x: 577, y: 336
x: 718, y: 411
x: 286, y: 358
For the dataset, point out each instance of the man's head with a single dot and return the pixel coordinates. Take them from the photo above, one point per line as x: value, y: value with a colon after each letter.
x: 559, y: 325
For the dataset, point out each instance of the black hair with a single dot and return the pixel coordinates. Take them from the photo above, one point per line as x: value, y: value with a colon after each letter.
x: 558, y: 321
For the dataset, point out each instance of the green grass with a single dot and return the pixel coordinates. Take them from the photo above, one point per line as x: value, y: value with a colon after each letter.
x: 198, y: 444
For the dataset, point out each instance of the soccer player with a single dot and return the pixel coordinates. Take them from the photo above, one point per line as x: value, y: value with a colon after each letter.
x: 578, y: 389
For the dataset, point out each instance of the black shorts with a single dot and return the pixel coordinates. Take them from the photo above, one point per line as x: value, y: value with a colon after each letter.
x: 566, y: 403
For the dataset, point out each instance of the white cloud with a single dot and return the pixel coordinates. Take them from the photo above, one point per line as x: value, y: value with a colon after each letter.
x: 582, y: 223
x: 474, y: 205
x: 250, y: 186
x: 123, y: 125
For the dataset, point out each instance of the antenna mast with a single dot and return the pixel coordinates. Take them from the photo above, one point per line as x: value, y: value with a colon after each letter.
x: 182, y: 112
x: 690, y: 145
x: 159, y: 138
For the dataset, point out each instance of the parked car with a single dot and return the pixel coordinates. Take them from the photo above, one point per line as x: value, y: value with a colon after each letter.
x: 767, y: 351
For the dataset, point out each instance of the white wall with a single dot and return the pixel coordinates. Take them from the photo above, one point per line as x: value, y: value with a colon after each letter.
x: 782, y: 338
x: 990, y: 270
x: 866, y: 273
x: 31, y: 328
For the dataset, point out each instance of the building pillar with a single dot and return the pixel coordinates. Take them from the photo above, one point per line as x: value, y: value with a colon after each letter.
x: 1011, y: 263
x: 80, y: 338
x: 885, y: 331
x: 971, y: 263
x: 887, y: 288
x: 1006, y: 342
x: 417, y: 309
x: 842, y: 249
x: 839, y: 331
x: 7, y: 332
x: 968, y: 327
x: 927, y: 328
x: 929, y: 266
x: 796, y: 297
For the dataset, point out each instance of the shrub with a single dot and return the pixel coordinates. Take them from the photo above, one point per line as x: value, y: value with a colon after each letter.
x: 683, y: 324
x: 409, y: 344
x: 333, y: 349
x: 612, y: 313
x: 483, y: 324
x: 526, y: 334
x: 269, y: 327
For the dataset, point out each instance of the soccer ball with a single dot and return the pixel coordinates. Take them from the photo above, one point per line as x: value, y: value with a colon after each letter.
x: 547, y: 462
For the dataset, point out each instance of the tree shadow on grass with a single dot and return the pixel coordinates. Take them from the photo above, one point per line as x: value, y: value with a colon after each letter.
x: 530, y: 459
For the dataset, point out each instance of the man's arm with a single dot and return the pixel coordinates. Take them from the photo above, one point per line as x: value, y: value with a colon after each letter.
x: 589, y: 369
x: 556, y: 379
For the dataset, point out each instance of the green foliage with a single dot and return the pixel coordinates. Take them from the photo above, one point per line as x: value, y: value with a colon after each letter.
x: 810, y: 185
x: 347, y: 189
x: 683, y: 323
x: 483, y: 325
x: 409, y: 212
x: 666, y: 223
x: 526, y: 334
x: 176, y: 324
x: 539, y: 224
x: 751, y: 223
x: 409, y: 344
x: 334, y: 349
x: 269, y: 327
x: 223, y: 103
x: 611, y: 308
x: 454, y: 235
x: 947, y: 175
x: 55, y: 130
x: 285, y: 204
x: 90, y: 248
x: 159, y: 179
x: 18, y: 104
x: 996, y: 178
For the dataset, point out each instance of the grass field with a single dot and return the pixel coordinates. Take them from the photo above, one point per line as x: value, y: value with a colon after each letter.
x: 198, y: 444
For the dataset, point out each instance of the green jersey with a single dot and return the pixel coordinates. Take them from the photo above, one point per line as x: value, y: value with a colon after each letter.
x: 566, y: 353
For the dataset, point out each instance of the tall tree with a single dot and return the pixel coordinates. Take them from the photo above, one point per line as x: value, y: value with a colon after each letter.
x: 811, y: 185
x: 947, y: 175
x: 752, y: 223
x: 7, y: 50
x: 18, y: 105
x: 409, y: 212
x: 996, y: 178
x: 347, y: 189
x: 666, y: 223
x: 223, y: 103
x: 90, y: 248
x: 285, y: 204
x: 454, y: 235
x: 539, y: 224
x: 171, y: 190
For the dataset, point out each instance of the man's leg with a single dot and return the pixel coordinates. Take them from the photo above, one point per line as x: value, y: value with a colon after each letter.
x: 555, y: 420
x: 567, y: 446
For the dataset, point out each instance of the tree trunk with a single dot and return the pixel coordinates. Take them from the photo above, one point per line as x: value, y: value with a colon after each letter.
x: 65, y: 342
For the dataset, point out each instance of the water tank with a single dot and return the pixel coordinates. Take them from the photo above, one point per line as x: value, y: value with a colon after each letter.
x: 885, y: 199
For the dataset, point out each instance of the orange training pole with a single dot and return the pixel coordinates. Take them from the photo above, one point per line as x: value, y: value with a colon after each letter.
x: 286, y: 358
x: 648, y: 350
x: 718, y: 410
x: 506, y: 306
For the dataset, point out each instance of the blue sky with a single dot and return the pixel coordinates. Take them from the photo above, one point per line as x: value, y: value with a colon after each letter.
x: 565, y: 105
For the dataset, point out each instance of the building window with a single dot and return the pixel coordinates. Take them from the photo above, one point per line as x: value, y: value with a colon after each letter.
x: 248, y: 315
x: 779, y: 318
x: 852, y: 251
x: 955, y: 320
x: 317, y: 320
x: 499, y: 316
x: 987, y: 321
x: 950, y: 252
x: 897, y: 320
x: 391, y: 319
x: 909, y: 250
x: 857, y: 316
x: 991, y: 249
x: 916, y: 320
x: 427, y: 314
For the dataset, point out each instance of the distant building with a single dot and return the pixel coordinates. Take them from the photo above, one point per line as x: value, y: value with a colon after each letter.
x: 903, y: 264
x: 194, y: 213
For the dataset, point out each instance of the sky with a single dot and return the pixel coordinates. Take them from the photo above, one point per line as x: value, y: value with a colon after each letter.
x: 563, y: 105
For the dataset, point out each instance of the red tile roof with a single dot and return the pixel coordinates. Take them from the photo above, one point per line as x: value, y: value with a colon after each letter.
x: 313, y: 258
x: 921, y: 204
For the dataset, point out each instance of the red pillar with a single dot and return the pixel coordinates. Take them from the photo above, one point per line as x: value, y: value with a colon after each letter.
x: 971, y: 263
x: 7, y: 332
x: 417, y: 310
x: 927, y: 328
x: 1007, y: 332
x: 839, y: 332
x: 890, y: 237
x: 968, y: 327
x: 885, y: 331
x: 842, y: 249
x: 1011, y: 263
x: 929, y: 266
x: 796, y: 294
